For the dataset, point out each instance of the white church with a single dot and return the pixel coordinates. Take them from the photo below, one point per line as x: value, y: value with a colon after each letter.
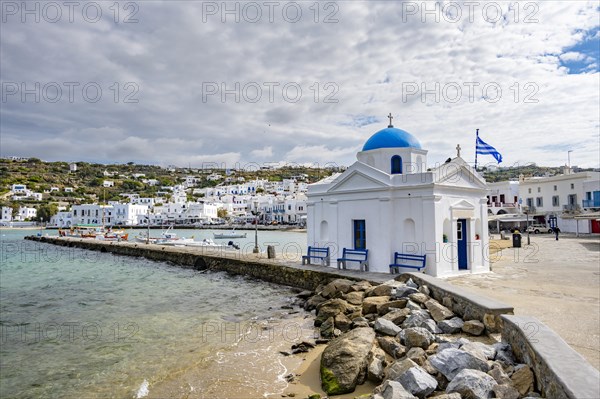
x: 389, y: 201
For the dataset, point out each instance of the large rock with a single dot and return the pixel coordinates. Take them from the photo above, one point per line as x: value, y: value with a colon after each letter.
x: 411, y: 283
x: 376, y: 370
x: 438, y: 311
x: 360, y: 322
x: 355, y: 297
x: 479, y: 349
x: 381, y: 290
x: 418, y: 297
x: 403, y: 292
x: 504, y: 353
x: 330, y: 308
x: 451, y: 326
x: 372, y: 303
x: 506, y: 392
x: 416, y: 318
x: 327, y: 328
x: 431, y: 326
x: 447, y: 396
x: 499, y: 375
x: 397, y: 316
x: 386, y: 327
x: 425, y: 290
x: 473, y: 327
x: 417, y: 337
x: 472, y: 384
x: 361, y: 286
x: 399, y: 367
x: 413, y: 305
x: 313, y: 302
x: 342, y: 322
x: 417, y: 355
x: 522, y: 379
x: 337, y: 288
x: 387, y: 307
x: 451, y: 361
x: 391, y: 346
x: 377, y: 364
x: 344, y: 362
x: 395, y: 390
x: 418, y: 382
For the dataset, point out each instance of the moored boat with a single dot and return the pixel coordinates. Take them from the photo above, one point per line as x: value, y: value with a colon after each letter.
x: 230, y: 234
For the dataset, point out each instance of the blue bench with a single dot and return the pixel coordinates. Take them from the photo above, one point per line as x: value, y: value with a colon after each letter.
x: 316, y: 253
x: 407, y: 260
x: 354, y: 255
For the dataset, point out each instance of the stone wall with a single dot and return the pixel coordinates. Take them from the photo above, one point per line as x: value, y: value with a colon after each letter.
x: 560, y: 372
x: 467, y: 305
x: 233, y: 263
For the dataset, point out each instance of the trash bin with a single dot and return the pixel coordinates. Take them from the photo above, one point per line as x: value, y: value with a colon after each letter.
x: 270, y: 251
x: 516, y: 240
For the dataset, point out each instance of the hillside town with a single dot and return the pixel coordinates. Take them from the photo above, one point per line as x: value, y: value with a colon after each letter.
x: 571, y: 198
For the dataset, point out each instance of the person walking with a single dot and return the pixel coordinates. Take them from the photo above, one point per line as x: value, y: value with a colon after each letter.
x: 556, y: 231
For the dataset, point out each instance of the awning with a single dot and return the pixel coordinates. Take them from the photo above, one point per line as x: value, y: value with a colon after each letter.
x: 507, y: 217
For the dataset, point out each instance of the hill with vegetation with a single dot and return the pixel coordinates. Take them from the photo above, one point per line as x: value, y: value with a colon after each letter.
x: 88, y: 181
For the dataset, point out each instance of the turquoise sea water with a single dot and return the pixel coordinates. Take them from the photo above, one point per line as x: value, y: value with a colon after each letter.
x: 84, y: 324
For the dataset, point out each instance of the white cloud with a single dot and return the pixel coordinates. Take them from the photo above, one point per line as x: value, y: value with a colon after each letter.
x: 362, y: 63
x: 266, y: 152
x: 572, y: 56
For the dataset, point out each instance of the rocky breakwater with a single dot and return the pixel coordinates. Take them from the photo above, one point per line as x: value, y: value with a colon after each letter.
x: 395, y: 335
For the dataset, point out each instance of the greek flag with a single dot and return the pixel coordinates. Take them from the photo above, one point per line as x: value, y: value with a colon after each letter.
x: 483, y: 148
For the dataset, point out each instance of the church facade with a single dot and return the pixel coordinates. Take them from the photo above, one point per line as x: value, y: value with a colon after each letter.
x: 389, y: 201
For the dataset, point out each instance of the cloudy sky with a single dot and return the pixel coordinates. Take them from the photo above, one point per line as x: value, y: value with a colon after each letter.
x: 190, y: 82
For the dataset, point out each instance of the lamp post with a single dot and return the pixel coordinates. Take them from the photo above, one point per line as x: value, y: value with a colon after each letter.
x: 527, y: 228
x: 256, y: 213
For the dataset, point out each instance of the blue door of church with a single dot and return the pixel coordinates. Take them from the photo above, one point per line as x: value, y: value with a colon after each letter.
x: 360, y: 235
x: 461, y: 239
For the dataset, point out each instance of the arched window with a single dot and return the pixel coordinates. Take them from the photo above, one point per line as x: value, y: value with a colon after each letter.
x: 396, y: 165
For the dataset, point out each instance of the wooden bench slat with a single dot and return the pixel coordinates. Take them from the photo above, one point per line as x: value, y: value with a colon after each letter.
x: 399, y: 258
x: 316, y: 253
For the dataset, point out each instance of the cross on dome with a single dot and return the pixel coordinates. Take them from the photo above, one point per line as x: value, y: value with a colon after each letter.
x: 390, y: 117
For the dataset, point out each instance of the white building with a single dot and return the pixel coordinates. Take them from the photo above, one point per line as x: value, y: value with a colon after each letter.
x: 73, y: 167
x: 128, y: 214
x: 108, y: 183
x: 19, y: 188
x: 388, y: 201
x: 566, y: 197
x: 25, y: 213
x: 62, y: 219
x: 6, y: 214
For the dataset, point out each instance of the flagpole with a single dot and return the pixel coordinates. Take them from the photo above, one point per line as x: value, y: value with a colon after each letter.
x: 476, y: 134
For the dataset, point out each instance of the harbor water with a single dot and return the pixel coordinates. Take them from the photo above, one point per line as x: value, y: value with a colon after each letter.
x: 85, y: 324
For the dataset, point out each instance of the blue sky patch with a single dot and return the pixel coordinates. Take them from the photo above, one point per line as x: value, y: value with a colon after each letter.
x: 584, y: 57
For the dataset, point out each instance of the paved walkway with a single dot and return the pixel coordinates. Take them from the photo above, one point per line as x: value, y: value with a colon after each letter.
x: 557, y: 282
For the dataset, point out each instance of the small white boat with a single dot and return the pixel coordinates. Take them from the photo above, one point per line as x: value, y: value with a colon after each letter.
x: 208, y: 243
x: 168, y: 237
x: 231, y: 234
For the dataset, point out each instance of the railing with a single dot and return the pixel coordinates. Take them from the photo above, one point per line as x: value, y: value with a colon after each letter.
x: 571, y: 207
x: 501, y: 205
x: 591, y: 203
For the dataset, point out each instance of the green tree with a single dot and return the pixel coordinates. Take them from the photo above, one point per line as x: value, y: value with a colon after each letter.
x: 222, y: 213
x: 46, y: 211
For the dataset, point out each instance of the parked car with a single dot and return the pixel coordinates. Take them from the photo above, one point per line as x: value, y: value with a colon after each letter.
x: 538, y: 228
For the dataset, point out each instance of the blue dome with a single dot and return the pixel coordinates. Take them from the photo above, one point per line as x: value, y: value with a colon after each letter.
x: 390, y: 137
